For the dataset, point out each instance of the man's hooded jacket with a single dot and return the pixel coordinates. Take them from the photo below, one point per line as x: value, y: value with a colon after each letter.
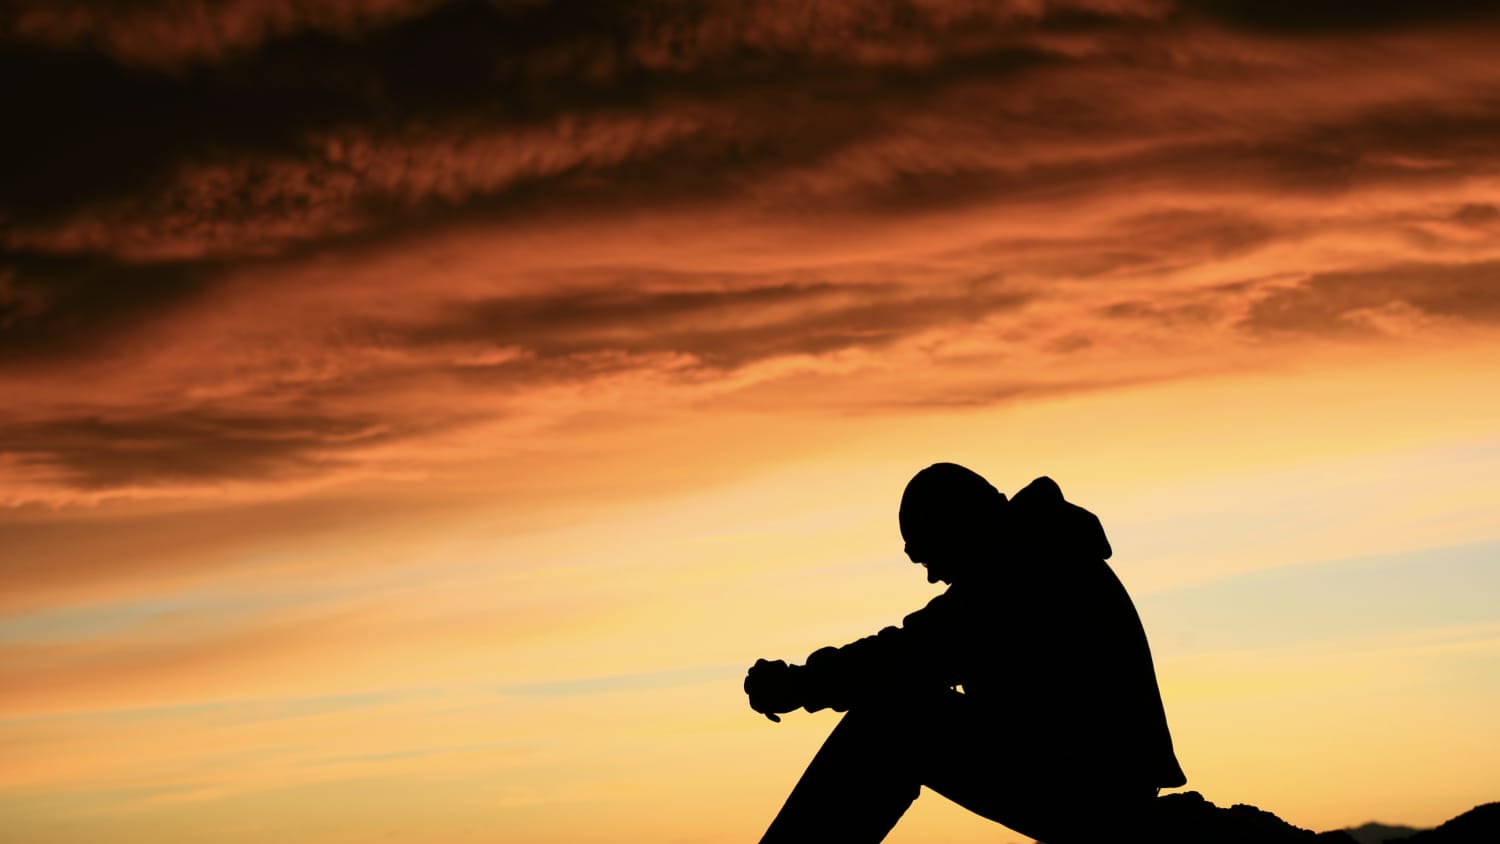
x: 1045, y: 645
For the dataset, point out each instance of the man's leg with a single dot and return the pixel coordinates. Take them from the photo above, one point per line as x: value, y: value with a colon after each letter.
x: 1057, y: 812
x: 874, y: 763
x: 857, y: 786
x: 1014, y: 782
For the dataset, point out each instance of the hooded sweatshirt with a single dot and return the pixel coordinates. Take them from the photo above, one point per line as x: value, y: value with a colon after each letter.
x: 1045, y: 644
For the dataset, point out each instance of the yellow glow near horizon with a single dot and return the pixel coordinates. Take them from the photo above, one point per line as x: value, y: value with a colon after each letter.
x: 494, y: 676
x: 415, y: 415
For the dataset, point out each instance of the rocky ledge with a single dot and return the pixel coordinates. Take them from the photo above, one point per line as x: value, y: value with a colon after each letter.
x: 1187, y: 818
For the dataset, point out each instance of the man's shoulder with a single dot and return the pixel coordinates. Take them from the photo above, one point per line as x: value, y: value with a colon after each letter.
x: 954, y: 602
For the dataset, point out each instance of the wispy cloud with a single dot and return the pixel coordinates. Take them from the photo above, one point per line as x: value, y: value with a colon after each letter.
x: 394, y: 353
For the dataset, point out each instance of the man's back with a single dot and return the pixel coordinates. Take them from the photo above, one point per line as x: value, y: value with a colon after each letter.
x: 1065, y: 673
x: 1025, y: 685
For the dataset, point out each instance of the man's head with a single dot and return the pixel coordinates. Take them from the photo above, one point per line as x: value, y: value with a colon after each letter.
x: 949, y: 519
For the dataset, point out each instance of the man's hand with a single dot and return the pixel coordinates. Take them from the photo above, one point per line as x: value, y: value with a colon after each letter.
x: 773, y: 687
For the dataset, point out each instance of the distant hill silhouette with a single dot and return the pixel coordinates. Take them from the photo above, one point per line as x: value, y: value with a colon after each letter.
x: 1187, y: 818
x: 1479, y: 824
x: 1379, y: 833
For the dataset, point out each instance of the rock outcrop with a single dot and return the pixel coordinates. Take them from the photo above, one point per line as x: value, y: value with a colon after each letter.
x: 1187, y: 818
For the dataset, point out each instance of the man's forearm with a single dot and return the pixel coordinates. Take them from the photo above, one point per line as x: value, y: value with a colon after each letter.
x: 883, y: 667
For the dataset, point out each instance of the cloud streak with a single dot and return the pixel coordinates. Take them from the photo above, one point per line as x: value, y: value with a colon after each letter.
x: 307, y: 223
x: 388, y: 388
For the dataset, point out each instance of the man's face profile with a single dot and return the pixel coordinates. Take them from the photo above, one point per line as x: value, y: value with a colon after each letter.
x: 941, y: 563
x: 943, y: 519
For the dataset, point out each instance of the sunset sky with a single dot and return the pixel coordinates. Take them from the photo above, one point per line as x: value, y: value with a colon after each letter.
x: 416, y: 415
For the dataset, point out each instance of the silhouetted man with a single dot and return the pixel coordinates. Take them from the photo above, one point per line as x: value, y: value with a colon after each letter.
x: 1024, y: 693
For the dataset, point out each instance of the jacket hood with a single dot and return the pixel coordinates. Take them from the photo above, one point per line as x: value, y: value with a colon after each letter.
x: 1051, y: 524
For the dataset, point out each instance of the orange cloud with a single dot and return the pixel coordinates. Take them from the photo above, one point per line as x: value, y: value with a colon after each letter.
x: 167, y: 34
x: 393, y: 394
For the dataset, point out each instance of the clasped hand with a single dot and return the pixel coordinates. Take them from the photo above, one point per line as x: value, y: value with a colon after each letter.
x: 773, y: 687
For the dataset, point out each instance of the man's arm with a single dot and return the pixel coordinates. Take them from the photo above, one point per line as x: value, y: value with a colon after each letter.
x: 895, y: 663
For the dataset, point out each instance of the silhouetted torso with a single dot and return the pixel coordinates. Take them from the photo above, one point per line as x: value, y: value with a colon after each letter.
x: 1075, y: 698
x: 1028, y: 679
